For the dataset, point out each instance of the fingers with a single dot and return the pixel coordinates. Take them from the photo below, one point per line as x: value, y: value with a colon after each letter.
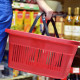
x: 49, y: 14
x: 44, y: 7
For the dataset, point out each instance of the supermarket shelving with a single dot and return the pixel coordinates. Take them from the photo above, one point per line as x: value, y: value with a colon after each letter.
x: 19, y: 77
x: 25, y: 6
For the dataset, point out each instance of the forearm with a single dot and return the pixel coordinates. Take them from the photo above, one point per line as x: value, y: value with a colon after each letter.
x: 43, y: 5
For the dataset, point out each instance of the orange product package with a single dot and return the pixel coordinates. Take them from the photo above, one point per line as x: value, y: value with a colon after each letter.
x: 27, y: 22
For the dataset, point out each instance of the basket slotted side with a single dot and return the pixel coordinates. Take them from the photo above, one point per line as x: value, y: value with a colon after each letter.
x: 42, y: 57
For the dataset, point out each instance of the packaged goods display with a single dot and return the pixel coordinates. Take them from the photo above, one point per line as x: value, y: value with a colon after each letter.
x: 22, y: 21
x: 26, y: 1
x: 68, y: 25
x: 72, y: 25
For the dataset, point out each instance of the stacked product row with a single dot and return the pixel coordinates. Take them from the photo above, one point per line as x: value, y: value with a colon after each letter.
x: 26, y: 1
x: 72, y: 25
x: 68, y: 28
x: 22, y: 21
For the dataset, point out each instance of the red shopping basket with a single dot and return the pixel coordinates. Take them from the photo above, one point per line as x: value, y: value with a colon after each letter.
x: 42, y: 55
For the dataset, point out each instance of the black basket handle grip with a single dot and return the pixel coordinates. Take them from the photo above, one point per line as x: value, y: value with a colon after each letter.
x: 54, y: 26
x: 35, y: 21
x: 53, y: 23
x: 45, y: 25
x: 44, y: 22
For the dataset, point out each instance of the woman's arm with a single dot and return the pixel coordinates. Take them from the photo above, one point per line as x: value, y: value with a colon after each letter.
x: 44, y: 7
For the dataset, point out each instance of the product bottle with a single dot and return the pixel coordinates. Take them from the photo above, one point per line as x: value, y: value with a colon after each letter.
x: 76, y: 25
x: 68, y: 24
x: 60, y: 25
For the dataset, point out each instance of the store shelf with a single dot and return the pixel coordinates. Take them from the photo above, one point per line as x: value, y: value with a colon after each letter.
x: 19, y: 77
x: 25, y: 6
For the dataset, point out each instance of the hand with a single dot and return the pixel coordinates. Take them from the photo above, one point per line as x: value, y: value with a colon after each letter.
x: 49, y: 14
x: 44, y: 7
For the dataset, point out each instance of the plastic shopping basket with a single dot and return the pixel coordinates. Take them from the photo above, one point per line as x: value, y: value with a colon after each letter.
x: 39, y: 54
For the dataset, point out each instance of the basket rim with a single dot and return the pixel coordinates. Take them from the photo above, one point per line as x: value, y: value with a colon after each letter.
x: 42, y: 37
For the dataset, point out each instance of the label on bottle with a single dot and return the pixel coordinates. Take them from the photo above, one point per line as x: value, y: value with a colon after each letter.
x: 69, y: 18
x: 77, y: 18
x: 76, y: 31
x: 68, y: 30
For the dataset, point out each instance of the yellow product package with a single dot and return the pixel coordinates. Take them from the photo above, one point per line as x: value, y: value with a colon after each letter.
x: 16, y: 13
x: 40, y: 27
x: 13, y: 21
x: 27, y: 22
x: 33, y: 16
x: 19, y: 21
x: 24, y: 13
x: 15, y: 73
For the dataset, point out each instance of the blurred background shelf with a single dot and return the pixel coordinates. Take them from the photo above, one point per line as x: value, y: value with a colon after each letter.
x: 18, y: 78
x: 25, y: 6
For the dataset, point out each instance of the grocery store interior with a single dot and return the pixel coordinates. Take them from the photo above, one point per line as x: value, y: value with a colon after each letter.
x: 67, y: 22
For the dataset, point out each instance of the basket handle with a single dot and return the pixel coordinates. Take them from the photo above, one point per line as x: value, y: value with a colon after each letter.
x: 35, y: 21
x: 54, y: 26
x: 44, y: 22
x: 45, y: 25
